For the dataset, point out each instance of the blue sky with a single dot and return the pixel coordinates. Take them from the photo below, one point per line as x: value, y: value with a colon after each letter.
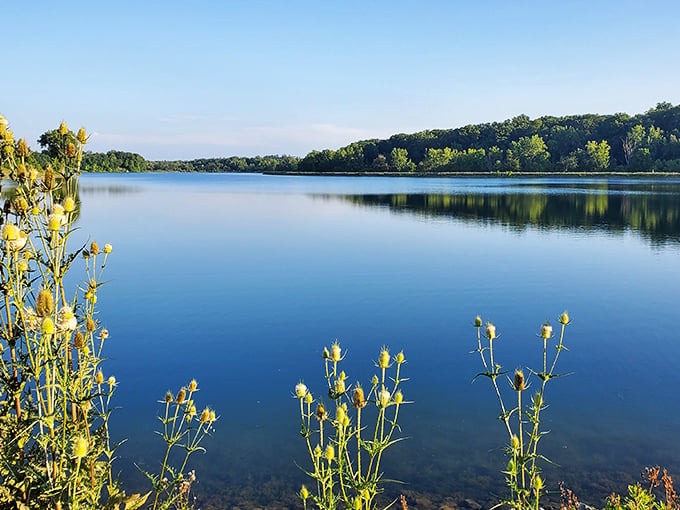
x: 182, y: 80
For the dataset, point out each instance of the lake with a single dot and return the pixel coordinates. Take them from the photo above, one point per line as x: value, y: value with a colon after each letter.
x: 240, y: 281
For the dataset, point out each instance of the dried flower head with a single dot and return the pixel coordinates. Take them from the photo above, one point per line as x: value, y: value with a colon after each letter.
x: 78, y: 340
x: 546, y: 331
x: 340, y: 414
x: 193, y: 385
x: 99, y: 377
x: 304, y: 493
x: 478, y: 322
x: 71, y: 150
x: 82, y: 136
x: 63, y: 128
x: 336, y: 352
x: 339, y: 387
x: 384, y: 358
x: 329, y: 453
x: 399, y: 358
x: 321, y: 412
x: 94, y: 248
x: 398, y: 397
x: 69, y: 204
x: 383, y: 398
x: 205, y: 416
x: 108, y: 248
x: 104, y: 334
x: 181, y: 396
x: 168, y: 397
x: 358, y: 399
x: 518, y: 382
x: 22, y: 149
x: 490, y: 331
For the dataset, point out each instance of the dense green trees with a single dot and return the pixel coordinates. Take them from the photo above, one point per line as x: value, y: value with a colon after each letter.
x: 579, y: 143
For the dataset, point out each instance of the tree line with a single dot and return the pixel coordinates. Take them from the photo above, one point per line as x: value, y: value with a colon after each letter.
x: 580, y: 143
x: 647, y: 142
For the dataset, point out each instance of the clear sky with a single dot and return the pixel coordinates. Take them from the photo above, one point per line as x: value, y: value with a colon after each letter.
x: 182, y: 80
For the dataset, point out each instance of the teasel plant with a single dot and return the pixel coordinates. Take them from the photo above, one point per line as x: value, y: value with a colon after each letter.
x: 183, y: 429
x: 521, y: 420
x: 345, y: 452
x: 55, y: 401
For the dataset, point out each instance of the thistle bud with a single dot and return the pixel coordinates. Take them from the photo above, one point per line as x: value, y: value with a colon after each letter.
x: 22, y: 149
x: 518, y: 382
x: 44, y: 303
x: 398, y: 397
x: 81, y: 136
x: 300, y: 390
x: 546, y: 331
x: 478, y: 322
x: 80, y: 447
x: 63, y: 128
x: 564, y: 318
x: 304, y: 493
x: 335, y: 352
x: 71, y: 150
x: 490, y: 331
x: 317, y: 451
x: 384, y: 358
x: 358, y: 399
x: 399, y: 358
x: 329, y: 453
x: 308, y: 398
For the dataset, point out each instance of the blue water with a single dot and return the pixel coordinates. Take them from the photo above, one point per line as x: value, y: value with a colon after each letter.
x: 240, y: 281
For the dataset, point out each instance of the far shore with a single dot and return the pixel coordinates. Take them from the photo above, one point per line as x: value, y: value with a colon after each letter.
x: 480, y: 174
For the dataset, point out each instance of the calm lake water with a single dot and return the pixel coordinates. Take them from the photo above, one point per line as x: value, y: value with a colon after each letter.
x: 240, y: 281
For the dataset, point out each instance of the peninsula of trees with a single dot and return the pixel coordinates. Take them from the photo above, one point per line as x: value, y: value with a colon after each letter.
x: 647, y: 142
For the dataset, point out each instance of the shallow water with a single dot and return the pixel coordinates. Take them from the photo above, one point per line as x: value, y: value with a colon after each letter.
x: 241, y: 280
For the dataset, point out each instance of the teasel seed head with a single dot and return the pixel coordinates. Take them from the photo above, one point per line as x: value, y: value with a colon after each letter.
x: 546, y: 331
x: 384, y: 358
x: 108, y: 248
x: 168, y: 397
x: 44, y: 303
x: 514, y: 442
x: 48, y: 178
x: 518, y: 382
x: 383, y: 398
x: 340, y: 414
x: 71, y: 150
x: 490, y: 331
x: 538, y: 400
x: 212, y: 416
x: 69, y: 204
x: 329, y: 453
x: 399, y: 358
x: 398, y: 397
x: 478, y: 322
x: 94, y: 248
x: 78, y: 340
x: 82, y: 136
x: 538, y: 483
x: 321, y: 412
x: 325, y: 354
x: 300, y: 390
x: 54, y: 222
x: 564, y: 318
x: 358, y: 398
x: 181, y: 396
x: 22, y: 149
x: 104, y: 334
x: 317, y: 451
x: 193, y: 385
x: 304, y: 493
x: 205, y: 416
x: 80, y: 447
x: 90, y: 325
x: 308, y: 397
x: 22, y: 265
x: 99, y: 377
x: 63, y: 128
x: 336, y: 352
x: 339, y: 387
x: 375, y: 380
x: 111, y: 381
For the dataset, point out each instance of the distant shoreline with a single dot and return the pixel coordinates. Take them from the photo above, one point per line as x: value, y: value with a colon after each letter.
x: 478, y: 174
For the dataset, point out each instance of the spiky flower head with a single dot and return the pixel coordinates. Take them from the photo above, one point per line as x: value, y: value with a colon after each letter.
x: 181, y: 396
x: 111, y: 381
x: 66, y: 319
x: 308, y: 397
x: 63, y: 128
x: 94, y: 248
x: 82, y: 136
x: 71, y: 150
x: 78, y: 340
x: 54, y: 222
x: 399, y: 358
x: 564, y: 318
x: 22, y: 149
x: 80, y: 447
x: 193, y: 385
x: 47, y: 327
x: 321, y: 412
x: 108, y: 248
x: 104, y: 334
x: 374, y: 380
x: 10, y: 232
x: 384, y: 358
x: 383, y: 398
x: 90, y: 325
x: 339, y: 386
x: 514, y: 442
x: 329, y: 453
x: 317, y: 451
x: 69, y: 204
x: 336, y: 352
x: 205, y: 416
x: 304, y: 493
x: 325, y: 354
x: 99, y: 377
x: 538, y: 483
x: 490, y: 331
x: 300, y: 390
x: 48, y: 178
x: 478, y: 322
x: 398, y: 397
x: 518, y: 382
x: 22, y: 265
x: 340, y: 414
x: 546, y: 331
x: 358, y: 399
x: 168, y: 397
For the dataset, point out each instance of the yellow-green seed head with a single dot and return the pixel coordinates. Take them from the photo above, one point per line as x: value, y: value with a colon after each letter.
x: 329, y: 453
x: 399, y: 358
x: 111, y: 381
x: 342, y: 375
x: 35, y: 210
x: 54, y: 222
x: 358, y: 399
x: 321, y: 412
x: 63, y: 128
x: 82, y: 136
x: 325, y: 354
x: 317, y: 451
x: 518, y: 382
x: 22, y: 149
x: 212, y: 416
x: 336, y: 352
x: 47, y: 326
x: 478, y: 322
x: 94, y: 248
x: 339, y: 386
x: 108, y: 248
x: 538, y: 400
x: 78, y: 340
x: 80, y: 447
x: 398, y: 397
x: 20, y: 205
x: 340, y: 414
x: 514, y: 442
x: 181, y: 396
x: 300, y: 390
x: 99, y: 377
x: 22, y: 265
x: 10, y: 232
x: 308, y: 398
x: 69, y: 204
x: 90, y: 325
x: 384, y: 358
x: 192, y: 411
x: 71, y: 150
x: 168, y: 397
x: 44, y: 303
x: 375, y: 380
x: 193, y: 385
x: 48, y: 178
x: 511, y: 467
x: 564, y: 318
x: 490, y: 331
x: 383, y: 398
x: 205, y: 416
x: 304, y: 493
x: 538, y: 483
x: 546, y: 331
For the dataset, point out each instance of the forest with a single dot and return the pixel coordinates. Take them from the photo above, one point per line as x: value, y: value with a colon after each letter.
x: 647, y: 142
